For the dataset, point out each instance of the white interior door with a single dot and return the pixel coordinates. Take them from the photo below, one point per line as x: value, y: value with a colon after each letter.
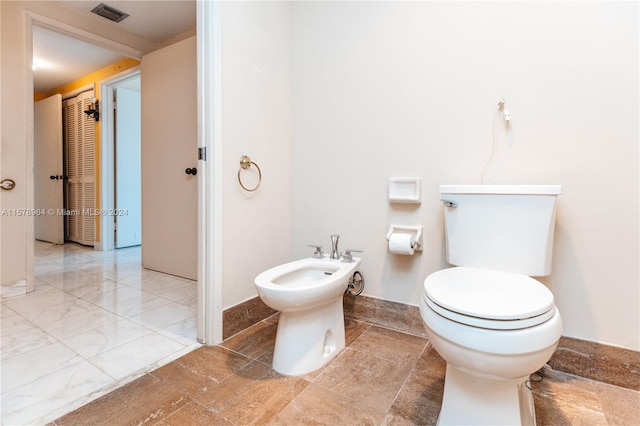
x: 169, y: 147
x: 127, y: 168
x: 48, y: 170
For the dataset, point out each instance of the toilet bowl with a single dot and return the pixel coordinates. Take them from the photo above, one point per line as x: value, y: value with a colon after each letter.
x: 308, y: 293
x: 488, y: 319
x: 493, y: 329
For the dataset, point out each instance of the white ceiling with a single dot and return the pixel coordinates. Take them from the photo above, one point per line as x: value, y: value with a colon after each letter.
x: 61, y: 59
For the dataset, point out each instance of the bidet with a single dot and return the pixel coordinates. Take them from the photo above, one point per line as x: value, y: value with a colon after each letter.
x: 308, y: 293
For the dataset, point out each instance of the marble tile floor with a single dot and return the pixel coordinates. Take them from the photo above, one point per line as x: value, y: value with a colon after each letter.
x: 383, y: 377
x: 96, y: 320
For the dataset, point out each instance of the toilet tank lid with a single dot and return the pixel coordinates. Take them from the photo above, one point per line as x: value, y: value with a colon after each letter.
x: 502, y: 189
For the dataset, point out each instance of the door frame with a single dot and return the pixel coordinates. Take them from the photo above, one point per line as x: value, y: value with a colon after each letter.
x: 209, y: 54
x: 32, y: 19
x: 209, y: 83
x: 107, y: 155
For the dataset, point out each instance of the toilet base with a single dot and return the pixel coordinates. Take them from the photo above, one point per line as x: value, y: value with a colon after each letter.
x: 470, y: 399
x: 307, y: 340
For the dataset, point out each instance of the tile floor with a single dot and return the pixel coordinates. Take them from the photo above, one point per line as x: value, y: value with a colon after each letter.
x: 96, y: 320
x: 383, y: 377
x: 99, y: 322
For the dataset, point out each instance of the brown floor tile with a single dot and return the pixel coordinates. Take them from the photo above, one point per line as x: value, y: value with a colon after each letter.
x: 318, y: 406
x: 420, y: 399
x: 138, y: 402
x: 195, y: 372
x: 353, y: 329
x: 430, y: 363
x: 362, y: 375
x: 252, y: 395
x: 394, y: 420
x: 219, y: 396
x: 382, y: 377
x: 564, y: 399
x: 620, y: 406
x: 256, y: 342
x: 214, y: 362
x: 391, y: 345
x: 194, y: 414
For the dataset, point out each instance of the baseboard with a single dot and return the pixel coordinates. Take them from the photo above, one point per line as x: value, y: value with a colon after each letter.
x: 244, y: 315
x: 397, y: 316
x: 596, y: 361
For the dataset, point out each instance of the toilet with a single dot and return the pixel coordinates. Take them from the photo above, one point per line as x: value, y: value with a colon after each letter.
x: 488, y: 319
x: 308, y: 293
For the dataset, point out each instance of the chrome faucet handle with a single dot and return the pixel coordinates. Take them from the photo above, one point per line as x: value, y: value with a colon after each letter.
x: 348, y: 257
x: 318, y: 254
x: 335, y: 254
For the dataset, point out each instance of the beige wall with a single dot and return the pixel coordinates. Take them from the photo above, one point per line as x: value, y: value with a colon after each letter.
x: 382, y: 89
x: 387, y: 89
x: 256, y: 121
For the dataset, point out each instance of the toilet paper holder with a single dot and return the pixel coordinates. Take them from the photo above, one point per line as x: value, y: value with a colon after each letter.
x: 416, y: 231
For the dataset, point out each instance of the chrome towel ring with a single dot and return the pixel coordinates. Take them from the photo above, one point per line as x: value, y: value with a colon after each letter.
x: 245, y: 163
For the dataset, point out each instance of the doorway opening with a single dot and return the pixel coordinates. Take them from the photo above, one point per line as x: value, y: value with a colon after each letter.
x: 121, y: 162
x: 64, y: 168
x: 209, y: 110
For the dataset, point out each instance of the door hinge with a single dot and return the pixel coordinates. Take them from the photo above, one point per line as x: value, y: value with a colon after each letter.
x: 202, y: 153
x: 115, y: 105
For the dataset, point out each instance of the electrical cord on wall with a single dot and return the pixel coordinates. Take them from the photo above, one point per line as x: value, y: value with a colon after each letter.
x: 507, y: 116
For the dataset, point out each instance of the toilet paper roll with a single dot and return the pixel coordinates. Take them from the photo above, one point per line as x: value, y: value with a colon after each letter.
x: 401, y: 244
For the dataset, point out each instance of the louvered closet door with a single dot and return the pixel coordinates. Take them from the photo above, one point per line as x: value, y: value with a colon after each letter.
x: 80, y: 142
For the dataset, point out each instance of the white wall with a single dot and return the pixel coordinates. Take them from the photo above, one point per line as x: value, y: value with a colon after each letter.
x: 256, y: 38
x: 385, y: 89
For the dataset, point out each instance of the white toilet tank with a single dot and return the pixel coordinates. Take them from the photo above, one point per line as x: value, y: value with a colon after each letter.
x: 504, y: 227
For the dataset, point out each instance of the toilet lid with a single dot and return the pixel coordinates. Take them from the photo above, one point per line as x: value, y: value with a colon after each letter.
x: 486, y: 295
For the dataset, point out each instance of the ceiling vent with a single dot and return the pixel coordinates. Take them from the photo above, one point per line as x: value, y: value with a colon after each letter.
x: 109, y: 12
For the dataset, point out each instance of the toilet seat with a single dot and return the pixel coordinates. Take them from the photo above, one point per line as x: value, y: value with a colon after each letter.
x: 488, y: 299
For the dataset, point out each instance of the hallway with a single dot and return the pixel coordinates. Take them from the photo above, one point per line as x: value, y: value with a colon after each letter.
x: 96, y: 320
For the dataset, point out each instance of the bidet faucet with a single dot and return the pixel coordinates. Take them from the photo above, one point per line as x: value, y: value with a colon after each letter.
x: 335, y: 254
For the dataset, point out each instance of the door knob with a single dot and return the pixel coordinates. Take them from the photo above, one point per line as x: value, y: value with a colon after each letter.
x: 191, y: 171
x: 56, y: 177
x: 7, y: 184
